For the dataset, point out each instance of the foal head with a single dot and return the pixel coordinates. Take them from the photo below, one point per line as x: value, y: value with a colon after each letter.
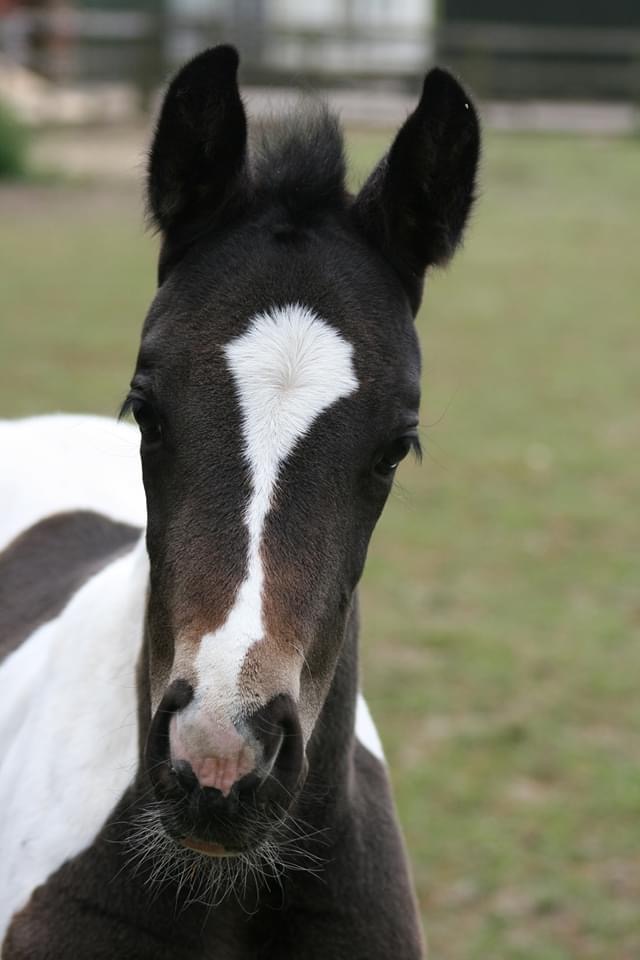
x: 276, y: 390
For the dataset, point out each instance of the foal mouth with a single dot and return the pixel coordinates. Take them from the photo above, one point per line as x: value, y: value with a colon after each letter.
x: 209, y: 849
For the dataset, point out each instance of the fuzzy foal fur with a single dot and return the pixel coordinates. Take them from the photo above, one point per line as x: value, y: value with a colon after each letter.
x: 320, y: 871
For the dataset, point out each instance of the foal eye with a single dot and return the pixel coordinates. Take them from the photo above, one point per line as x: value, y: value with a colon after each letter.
x: 394, y: 453
x: 147, y: 420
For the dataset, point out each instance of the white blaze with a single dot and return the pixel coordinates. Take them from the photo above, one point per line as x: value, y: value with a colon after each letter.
x: 288, y: 367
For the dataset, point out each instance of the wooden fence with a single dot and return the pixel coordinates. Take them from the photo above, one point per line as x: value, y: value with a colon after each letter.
x: 498, y: 60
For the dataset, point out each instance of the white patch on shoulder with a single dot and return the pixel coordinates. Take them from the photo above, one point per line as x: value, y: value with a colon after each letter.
x: 68, y: 727
x: 288, y: 367
x: 366, y: 731
x: 68, y: 462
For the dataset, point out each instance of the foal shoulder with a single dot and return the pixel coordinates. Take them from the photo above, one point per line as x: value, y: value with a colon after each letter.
x: 61, y: 462
x: 44, y: 567
x: 68, y: 724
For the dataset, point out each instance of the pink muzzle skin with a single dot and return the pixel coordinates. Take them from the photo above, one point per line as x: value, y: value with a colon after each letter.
x: 218, y: 756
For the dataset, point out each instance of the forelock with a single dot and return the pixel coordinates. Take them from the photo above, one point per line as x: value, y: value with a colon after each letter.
x: 298, y: 160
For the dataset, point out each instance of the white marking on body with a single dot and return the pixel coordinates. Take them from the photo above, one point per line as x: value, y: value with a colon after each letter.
x: 68, y: 727
x: 288, y: 367
x: 366, y: 731
x: 73, y: 681
x: 65, y: 462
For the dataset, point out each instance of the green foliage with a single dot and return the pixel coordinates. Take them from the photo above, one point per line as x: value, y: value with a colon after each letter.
x: 13, y: 144
x: 501, y: 621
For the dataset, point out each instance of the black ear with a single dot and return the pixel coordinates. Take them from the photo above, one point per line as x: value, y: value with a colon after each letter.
x: 199, y: 147
x: 415, y: 204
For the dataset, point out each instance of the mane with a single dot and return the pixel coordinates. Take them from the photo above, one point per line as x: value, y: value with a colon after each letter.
x: 297, y: 159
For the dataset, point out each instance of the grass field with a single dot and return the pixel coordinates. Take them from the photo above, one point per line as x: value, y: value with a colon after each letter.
x: 501, y: 603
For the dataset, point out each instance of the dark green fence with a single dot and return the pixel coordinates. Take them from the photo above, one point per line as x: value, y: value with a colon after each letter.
x: 580, y: 49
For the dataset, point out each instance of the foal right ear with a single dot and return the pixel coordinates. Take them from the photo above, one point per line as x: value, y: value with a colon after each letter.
x: 199, y: 147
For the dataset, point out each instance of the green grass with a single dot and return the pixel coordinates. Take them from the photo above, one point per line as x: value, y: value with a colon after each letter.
x: 13, y: 144
x: 501, y: 639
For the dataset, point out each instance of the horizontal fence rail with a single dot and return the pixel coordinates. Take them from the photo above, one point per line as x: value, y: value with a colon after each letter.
x: 498, y: 60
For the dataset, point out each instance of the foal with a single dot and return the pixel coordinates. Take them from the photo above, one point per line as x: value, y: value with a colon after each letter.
x: 232, y: 801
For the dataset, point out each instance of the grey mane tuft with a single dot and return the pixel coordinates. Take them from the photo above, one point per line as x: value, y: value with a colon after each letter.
x: 298, y: 159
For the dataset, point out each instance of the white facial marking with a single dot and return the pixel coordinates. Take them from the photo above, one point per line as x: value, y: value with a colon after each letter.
x: 288, y: 368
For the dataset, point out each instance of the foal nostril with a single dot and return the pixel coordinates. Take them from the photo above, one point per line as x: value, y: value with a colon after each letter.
x: 185, y: 775
x: 156, y: 753
x: 276, y: 726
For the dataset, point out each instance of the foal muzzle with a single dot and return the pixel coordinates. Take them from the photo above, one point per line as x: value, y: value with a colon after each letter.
x: 229, y: 792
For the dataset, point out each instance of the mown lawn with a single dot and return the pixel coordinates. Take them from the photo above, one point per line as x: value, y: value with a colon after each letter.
x: 501, y: 603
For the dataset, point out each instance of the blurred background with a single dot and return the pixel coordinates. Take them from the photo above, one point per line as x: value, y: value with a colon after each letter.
x: 501, y: 652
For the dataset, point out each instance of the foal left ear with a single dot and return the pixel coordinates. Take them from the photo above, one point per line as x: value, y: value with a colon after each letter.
x: 415, y: 204
x: 199, y: 147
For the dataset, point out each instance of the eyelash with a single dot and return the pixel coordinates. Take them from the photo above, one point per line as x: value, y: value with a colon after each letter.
x: 390, y: 458
x: 145, y: 416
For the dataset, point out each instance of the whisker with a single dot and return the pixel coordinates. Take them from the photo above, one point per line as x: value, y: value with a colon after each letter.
x: 289, y: 846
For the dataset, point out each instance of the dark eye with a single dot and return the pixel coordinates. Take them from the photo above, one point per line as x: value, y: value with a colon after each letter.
x: 391, y: 455
x: 148, y: 421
